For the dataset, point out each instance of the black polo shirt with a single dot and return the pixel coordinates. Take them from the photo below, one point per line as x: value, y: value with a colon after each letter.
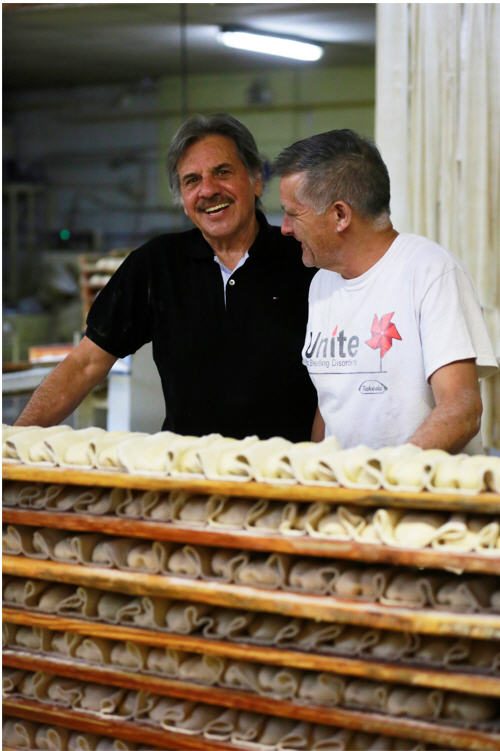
x: 234, y: 369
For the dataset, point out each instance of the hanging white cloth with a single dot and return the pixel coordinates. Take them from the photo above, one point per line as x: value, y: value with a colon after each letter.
x: 437, y: 124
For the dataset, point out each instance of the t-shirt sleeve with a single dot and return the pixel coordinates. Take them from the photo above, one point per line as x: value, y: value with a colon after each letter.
x: 452, y: 325
x: 119, y: 320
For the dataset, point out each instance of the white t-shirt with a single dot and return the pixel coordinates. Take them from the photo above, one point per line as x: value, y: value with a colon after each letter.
x: 373, y: 342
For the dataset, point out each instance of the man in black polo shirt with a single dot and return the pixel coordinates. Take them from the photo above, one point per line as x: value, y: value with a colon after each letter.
x: 225, y: 305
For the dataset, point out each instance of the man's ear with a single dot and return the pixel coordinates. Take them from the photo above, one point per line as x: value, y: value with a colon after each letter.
x: 258, y: 185
x: 342, y: 215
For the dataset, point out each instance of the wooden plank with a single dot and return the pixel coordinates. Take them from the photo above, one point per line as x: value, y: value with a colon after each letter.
x: 314, y: 546
x: 364, y: 613
x: 480, y: 503
x: 164, y: 686
x: 368, y: 722
x: 452, y: 679
x: 244, y: 700
x: 110, y: 726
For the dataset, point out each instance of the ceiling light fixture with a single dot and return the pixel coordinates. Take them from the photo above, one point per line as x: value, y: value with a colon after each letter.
x: 269, y: 44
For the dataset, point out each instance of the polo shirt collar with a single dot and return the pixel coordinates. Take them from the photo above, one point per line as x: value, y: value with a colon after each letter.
x: 199, y: 248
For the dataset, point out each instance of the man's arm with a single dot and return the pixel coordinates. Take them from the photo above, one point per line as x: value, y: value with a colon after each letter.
x: 318, y: 427
x: 67, y: 385
x: 456, y: 418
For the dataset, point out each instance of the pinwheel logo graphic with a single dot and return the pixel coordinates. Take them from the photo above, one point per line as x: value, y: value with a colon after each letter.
x: 383, y: 332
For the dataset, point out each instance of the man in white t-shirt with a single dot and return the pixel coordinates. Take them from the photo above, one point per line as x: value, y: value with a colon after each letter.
x: 395, y: 340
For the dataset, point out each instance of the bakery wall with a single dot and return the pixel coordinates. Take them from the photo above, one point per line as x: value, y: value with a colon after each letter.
x: 100, y: 151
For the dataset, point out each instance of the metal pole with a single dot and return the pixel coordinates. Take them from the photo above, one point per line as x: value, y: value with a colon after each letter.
x: 183, y: 60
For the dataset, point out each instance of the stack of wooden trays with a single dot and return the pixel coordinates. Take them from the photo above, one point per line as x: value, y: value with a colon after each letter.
x: 459, y: 679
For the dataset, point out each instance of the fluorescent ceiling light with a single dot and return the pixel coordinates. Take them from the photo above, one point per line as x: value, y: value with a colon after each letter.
x: 270, y: 44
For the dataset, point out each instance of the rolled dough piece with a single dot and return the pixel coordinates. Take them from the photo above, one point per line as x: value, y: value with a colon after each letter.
x: 206, y: 669
x: 227, y: 460
x: 110, y: 605
x: 107, y: 455
x: 413, y: 590
x: 266, y: 628
x: 65, y: 691
x: 355, y: 640
x: 279, y: 682
x: 469, y: 709
x: 150, y: 557
x: 19, y: 733
x: 191, y: 561
x: 222, y: 726
x: 322, y: 688
x: 165, y: 661
x: 231, y: 513
x: 227, y: 623
x: 196, y: 720
x: 101, y: 699
x: 310, y: 462
x: 157, y: 506
x: 369, y: 694
x: 45, y: 540
x: 94, y: 649
x: 85, y: 455
x: 315, y: 575
x: 51, y: 738
x: 28, y: 446
x: 23, y: 593
x: 65, y: 643
x: 17, y: 540
x: 411, y: 469
x: 317, y: 636
x: 467, y: 595
x: 146, y: 454
x: 53, y: 596
x: 113, y: 552
x: 248, y: 727
x: 136, y: 704
x: 241, y: 675
x: 184, y: 618
x: 76, y: 548
x: 82, y: 602
x: 264, y: 571
x: 415, y: 702
x: 184, y: 457
x: 129, y: 655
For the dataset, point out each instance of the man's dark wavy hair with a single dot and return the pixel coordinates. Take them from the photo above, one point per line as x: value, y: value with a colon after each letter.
x: 200, y: 126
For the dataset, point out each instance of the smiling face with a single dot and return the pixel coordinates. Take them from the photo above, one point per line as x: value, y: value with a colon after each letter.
x: 315, y: 232
x: 218, y: 193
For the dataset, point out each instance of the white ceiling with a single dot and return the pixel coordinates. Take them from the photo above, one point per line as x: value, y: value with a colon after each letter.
x: 68, y: 44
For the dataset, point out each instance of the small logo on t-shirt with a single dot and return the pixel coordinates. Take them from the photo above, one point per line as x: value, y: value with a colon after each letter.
x: 372, y: 387
x: 383, y: 331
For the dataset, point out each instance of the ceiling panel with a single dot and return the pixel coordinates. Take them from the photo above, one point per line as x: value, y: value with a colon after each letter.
x: 69, y: 44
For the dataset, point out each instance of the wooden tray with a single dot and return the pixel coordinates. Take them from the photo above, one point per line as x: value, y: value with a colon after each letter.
x: 319, y: 607
x: 115, y: 728
x: 325, y: 608
x: 480, y: 503
x: 368, y: 722
x: 305, y: 545
x: 451, y: 679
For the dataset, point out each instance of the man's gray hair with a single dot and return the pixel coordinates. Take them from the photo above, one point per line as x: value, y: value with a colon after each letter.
x: 200, y: 126
x: 339, y: 165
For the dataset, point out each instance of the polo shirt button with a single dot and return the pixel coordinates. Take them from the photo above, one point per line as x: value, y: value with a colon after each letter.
x: 231, y: 282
